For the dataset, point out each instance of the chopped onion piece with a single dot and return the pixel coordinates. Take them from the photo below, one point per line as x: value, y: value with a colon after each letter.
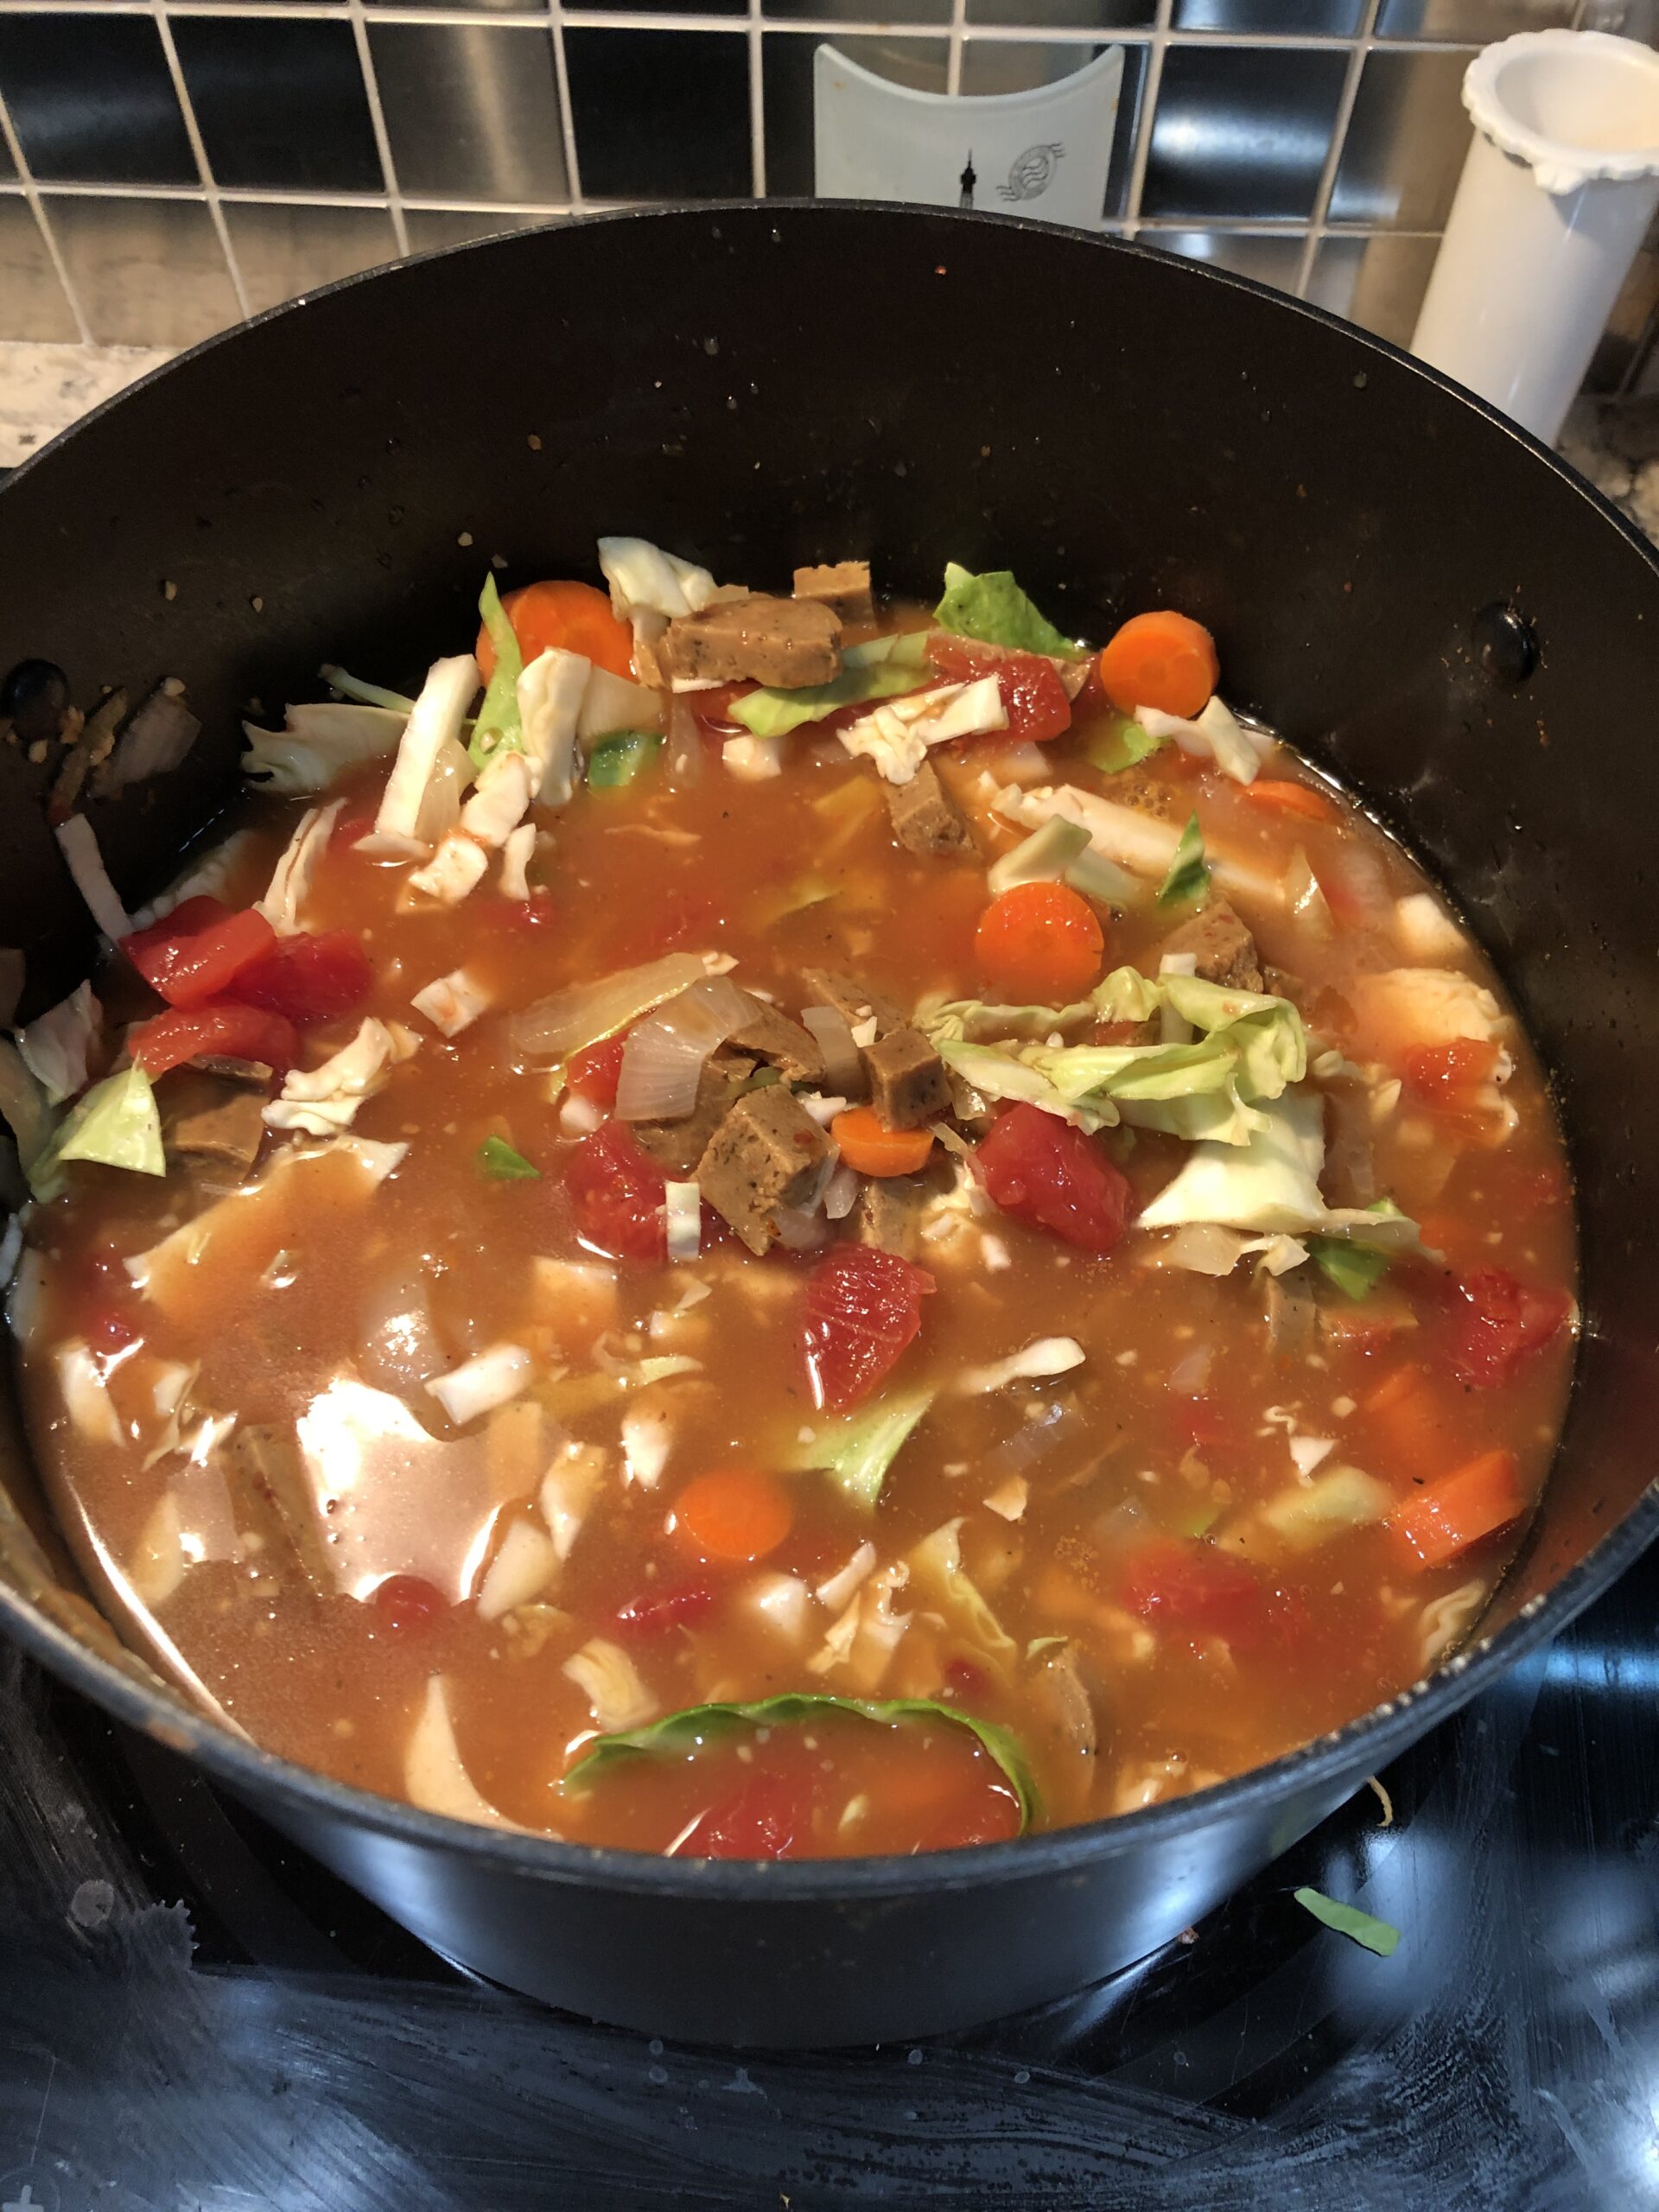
x: 1305, y: 898
x: 842, y: 1069
x: 478, y: 1385
x: 434, y: 1776
x: 452, y: 1002
x: 752, y: 759
x: 520, y: 1571
x: 838, y: 1590
x: 569, y: 1489
x: 86, y: 1398
x: 53, y: 1046
x: 647, y: 1439
x: 607, y: 1678
x: 85, y: 864
x: 1008, y: 1498
x: 586, y: 1013
x: 664, y: 1058
x: 683, y: 1219
x: 841, y: 1192
x: 290, y: 882
x: 1047, y: 1356
x: 515, y: 862
x: 1308, y: 1451
x: 781, y: 1602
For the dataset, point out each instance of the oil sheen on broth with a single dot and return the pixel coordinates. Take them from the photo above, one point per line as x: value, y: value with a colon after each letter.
x: 982, y: 1204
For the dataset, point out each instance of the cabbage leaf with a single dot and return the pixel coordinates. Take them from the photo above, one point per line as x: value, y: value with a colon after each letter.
x: 690, y: 1728
x: 115, y: 1125
x: 991, y: 608
x: 856, y: 1454
x: 498, y: 726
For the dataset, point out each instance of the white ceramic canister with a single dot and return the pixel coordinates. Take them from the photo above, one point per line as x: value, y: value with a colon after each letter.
x: 1560, y: 183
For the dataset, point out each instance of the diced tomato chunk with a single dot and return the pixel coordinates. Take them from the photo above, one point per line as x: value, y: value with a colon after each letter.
x: 1496, y: 1322
x: 1033, y: 697
x: 762, y: 1818
x: 309, y: 978
x: 1048, y: 1174
x: 617, y: 1193
x: 242, y: 1033
x: 1191, y: 1587
x: 198, y: 951
x: 863, y: 1308
x: 654, y: 1612
x: 594, y: 1073
x: 408, y: 1604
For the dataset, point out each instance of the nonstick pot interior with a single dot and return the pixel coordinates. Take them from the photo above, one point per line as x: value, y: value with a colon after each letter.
x: 1406, y: 587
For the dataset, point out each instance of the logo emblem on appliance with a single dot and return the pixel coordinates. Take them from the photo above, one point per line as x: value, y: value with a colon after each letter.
x: 1031, y: 173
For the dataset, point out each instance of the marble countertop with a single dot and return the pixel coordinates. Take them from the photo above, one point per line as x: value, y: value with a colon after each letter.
x: 43, y: 389
x: 1614, y: 443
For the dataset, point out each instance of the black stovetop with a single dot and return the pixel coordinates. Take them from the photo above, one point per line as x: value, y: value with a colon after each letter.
x: 195, y: 2019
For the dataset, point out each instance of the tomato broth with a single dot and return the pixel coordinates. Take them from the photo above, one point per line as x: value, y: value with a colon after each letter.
x: 1145, y: 1361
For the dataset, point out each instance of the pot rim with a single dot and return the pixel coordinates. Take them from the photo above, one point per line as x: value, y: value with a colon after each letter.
x: 1367, y: 1741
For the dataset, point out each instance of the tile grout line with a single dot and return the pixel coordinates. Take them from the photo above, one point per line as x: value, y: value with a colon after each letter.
x: 1146, y: 120
x: 453, y: 16
x: 757, y: 101
x: 198, y: 149
x: 1318, y: 215
x: 567, y: 107
x: 378, y: 124
x: 456, y: 204
x: 958, y: 41
x: 29, y: 191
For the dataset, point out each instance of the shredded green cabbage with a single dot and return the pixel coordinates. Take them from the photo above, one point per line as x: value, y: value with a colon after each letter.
x: 856, y: 1454
x: 1253, y: 1048
x: 1189, y: 872
x: 496, y: 727
x: 677, y: 1731
x: 617, y: 759
x: 116, y: 1125
x: 991, y: 608
x: 497, y: 1159
x: 775, y: 713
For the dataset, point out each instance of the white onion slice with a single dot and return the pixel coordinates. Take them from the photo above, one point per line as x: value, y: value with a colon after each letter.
x: 683, y: 1214
x: 664, y: 1058
x: 683, y: 756
x: 585, y: 1013
x: 85, y: 864
x: 842, y: 1069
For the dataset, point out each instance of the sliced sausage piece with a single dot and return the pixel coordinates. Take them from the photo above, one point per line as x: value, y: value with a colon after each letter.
x: 765, y: 1154
x: 783, y: 641
x: 925, y: 818
x: 676, y: 1146
x: 210, y: 1118
x: 853, y: 1002
x: 786, y: 1046
x: 841, y: 586
x: 907, y: 1080
x: 1224, y: 948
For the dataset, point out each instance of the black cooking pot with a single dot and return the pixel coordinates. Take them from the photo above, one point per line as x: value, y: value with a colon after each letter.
x: 1412, y: 591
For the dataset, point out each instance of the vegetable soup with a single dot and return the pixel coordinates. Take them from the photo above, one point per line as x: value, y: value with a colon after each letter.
x: 772, y: 1225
